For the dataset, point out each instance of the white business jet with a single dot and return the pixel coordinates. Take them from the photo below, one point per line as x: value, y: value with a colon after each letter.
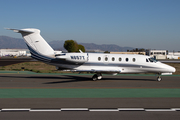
x: 97, y: 63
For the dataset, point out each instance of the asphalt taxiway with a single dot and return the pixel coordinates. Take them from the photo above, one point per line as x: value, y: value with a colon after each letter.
x: 58, y: 91
x: 4, y: 61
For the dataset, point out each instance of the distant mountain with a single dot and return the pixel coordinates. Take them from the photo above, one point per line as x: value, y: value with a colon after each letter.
x: 57, y: 44
x: 105, y: 47
x: 16, y: 43
x: 12, y: 43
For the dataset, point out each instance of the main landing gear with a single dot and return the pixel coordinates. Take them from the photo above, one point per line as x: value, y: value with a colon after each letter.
x: 97, y: 76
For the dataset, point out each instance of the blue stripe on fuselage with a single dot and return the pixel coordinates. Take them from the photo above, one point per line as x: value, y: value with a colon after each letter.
x: 38, y: 56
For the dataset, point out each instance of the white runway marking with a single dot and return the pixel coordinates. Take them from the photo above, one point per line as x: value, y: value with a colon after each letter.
x: 14, y: 109
x: 103, y: 110
x: 88, y: 109
x: 177, y: 109
x: 152, y: 110
x: 74, y: 109
x: 45, y: 110
x: 131, y: 109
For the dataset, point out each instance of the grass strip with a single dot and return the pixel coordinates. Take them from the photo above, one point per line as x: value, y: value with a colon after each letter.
x: 88, y: 93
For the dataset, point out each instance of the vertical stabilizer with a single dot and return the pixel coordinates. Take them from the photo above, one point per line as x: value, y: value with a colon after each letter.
x: 35, y: 42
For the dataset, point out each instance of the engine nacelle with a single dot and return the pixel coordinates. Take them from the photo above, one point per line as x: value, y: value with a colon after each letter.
x: 73, y: 57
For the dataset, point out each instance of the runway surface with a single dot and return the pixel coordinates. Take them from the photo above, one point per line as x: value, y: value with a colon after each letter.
x: 51, y: 91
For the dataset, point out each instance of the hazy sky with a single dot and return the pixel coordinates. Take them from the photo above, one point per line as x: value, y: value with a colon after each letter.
x: 150, y: 24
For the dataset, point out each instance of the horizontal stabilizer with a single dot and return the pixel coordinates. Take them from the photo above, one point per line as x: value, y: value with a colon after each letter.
x: 20, y: 30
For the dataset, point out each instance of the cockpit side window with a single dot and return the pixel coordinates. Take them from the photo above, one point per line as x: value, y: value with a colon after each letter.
x: 147, y: 60
x: 152, y: 60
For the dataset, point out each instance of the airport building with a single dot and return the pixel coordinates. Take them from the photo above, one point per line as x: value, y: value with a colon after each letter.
x: 14, y: 52
x: 173, y: 55
x: 140, y: 53
x: 94, y: 51
x: 157, y: 54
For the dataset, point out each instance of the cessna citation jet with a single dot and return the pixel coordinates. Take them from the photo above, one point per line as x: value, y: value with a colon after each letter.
x: 97, y: 63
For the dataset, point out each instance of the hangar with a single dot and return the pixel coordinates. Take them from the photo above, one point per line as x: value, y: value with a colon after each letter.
x: 14, y: 52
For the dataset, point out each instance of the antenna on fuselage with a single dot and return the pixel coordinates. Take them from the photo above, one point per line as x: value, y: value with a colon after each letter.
x: 80, y: 51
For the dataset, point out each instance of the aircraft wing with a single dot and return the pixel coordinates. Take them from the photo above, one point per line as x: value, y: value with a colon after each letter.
x: 98, y: 71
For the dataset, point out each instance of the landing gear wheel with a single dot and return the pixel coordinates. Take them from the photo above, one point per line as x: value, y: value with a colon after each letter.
x: 95, y: 77
x: 159, y: 78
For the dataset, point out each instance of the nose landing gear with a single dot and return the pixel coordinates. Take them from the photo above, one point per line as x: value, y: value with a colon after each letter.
x: 159, y: 77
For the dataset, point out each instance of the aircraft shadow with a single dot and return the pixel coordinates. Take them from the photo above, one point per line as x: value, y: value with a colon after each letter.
x: 71, y: 78
x: 35, y: 77
x: 83, y: 79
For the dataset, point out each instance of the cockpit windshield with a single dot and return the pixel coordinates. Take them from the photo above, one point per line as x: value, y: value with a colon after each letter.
x: 152, y: 60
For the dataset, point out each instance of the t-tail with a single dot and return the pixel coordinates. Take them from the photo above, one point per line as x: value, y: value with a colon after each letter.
x: 38, y: 47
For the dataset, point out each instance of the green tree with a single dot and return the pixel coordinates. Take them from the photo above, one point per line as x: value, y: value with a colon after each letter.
x: 71, y: 45
x: 106, y: 52
x: 81, y: 47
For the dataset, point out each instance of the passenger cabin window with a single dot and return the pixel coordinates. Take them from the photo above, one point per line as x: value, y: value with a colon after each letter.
x: 120, y: 59
x: 99, y: 58
x: 106, y: 58
x: 113, y: 58
x: 127, y: 59
x: 134, y: 59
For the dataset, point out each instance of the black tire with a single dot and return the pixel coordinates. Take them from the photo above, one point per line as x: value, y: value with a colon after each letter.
x: 95, y: 77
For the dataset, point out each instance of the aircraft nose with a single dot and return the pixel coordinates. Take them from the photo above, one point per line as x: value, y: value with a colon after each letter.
x: 172, y: 69
x: 169, y: 68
